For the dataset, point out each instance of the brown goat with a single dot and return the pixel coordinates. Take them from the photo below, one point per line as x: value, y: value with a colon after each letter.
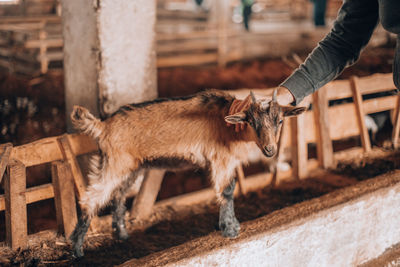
x: 171, y: 133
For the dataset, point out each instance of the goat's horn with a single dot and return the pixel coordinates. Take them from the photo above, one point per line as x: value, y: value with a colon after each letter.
x: 274, y: 95
x: 253, y: 97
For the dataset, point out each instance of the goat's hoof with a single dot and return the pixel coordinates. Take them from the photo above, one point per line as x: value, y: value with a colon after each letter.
x: 123, y: 235
x: 230, y: 229
x: 78, y: 253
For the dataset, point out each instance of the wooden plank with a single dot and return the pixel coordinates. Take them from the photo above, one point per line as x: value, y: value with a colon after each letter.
x: 396, y: 124
x: 223, y: 9
x: 376, y: 83
x: 357, y: 98
x: 33, y: 194
x: 145, y: 199
x: 48, y: 43
x: 322, y: 127
x: 379, y: 82
x: 47, y: 149
x: 5, y: 151
x: 186, y: 60
x: 15, y: 200
x: 281, y: 146
x: 69, y: 156
x: 64, y: 197
x: 299, y: 147
x: 240, y: 180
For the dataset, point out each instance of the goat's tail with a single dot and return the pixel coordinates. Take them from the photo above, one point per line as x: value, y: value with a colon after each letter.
x: 84, y: 121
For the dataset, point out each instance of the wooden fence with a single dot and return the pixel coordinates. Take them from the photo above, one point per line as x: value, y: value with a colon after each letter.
x: 320, y: 125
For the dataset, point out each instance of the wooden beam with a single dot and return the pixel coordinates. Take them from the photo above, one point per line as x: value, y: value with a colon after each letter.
x: 69, y: 156
x: 15, y: 200
x: 322, y: 129
x: 47, y: 149
x: 144, y: 201
x: 5, y: 151
x: 33, y: 194
x: 240, y: 180
x: 187, y: 60
x: 281, y: 147
x: 370, y: 84
x: 223, y: 8
x: 299, y: 147
x: 357, y: 98
x: 64, y: 197
x: 396, y: 124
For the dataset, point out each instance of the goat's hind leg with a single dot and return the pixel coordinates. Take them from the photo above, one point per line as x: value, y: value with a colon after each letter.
x: 96, y: 196
x: 228, y: 223
x: 118, y: 207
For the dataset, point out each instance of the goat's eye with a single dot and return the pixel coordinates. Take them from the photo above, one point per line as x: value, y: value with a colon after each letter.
x: 281, y: 121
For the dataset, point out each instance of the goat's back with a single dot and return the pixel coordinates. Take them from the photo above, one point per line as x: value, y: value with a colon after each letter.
x: 170, y: 127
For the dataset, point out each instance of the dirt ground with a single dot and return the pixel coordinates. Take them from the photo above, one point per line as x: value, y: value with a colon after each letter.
x: 31, y: 109
x: 182, y: 225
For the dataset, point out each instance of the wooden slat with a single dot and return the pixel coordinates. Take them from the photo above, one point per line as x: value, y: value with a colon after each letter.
x: 64, y: 197
x: 15, y: 200
x: 144, y: 201
x: 33, y: 194
x: 185, y: 60
x: 357, y: 98
x: 342, y: 118
x: 5, y: 151
x: 69, y: 156
x: 396, y: 124
x: 48, y: 43
x: 299, y: 147
x: 370, y: 84
x: 281, y: 147
x: 322, y: 127
x: 47, y: 149
x: 376, y: 83
x: 240, y: 180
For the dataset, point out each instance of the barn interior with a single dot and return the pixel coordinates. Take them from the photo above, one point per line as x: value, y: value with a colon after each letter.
x: 338, y: 163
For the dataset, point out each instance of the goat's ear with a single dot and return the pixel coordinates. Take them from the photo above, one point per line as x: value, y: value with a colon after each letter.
x: 236, y: 118
x: 289, y: 111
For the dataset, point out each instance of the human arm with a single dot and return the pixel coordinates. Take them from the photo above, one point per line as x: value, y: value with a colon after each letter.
x: 340, y: 48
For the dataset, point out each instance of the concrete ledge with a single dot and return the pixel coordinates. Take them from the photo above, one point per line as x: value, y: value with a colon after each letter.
x: 343, y: 228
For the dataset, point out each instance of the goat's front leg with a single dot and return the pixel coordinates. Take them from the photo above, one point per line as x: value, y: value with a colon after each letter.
x: 228, y: 223
x: 118, y: 218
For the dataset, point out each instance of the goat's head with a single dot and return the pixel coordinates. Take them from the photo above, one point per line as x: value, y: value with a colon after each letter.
x: 265, y: 118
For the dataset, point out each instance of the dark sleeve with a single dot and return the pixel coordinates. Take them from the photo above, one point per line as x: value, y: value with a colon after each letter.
x: 351, y: 31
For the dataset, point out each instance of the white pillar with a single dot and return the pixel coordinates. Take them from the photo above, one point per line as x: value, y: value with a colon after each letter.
x: 109, y: 53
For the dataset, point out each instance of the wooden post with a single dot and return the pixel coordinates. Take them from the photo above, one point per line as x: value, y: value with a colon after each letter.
x: 322, y: 127
x: 357, y: 98
x: 69, y: 156
x: 145, y: 199
x: 64, y: 197
x: 396, y: 124
x: 15, y: 200
x: 240, y: 179
x: 223, y: 9
x: 5, y: 151
x: 44, y: 62
x: 281, y: 146
x: 299, y: 147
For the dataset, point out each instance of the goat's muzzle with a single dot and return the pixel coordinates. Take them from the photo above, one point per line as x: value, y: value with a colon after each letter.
x: 269, y: 150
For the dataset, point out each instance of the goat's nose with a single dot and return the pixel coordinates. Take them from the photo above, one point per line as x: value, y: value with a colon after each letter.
x: 269, y: 148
